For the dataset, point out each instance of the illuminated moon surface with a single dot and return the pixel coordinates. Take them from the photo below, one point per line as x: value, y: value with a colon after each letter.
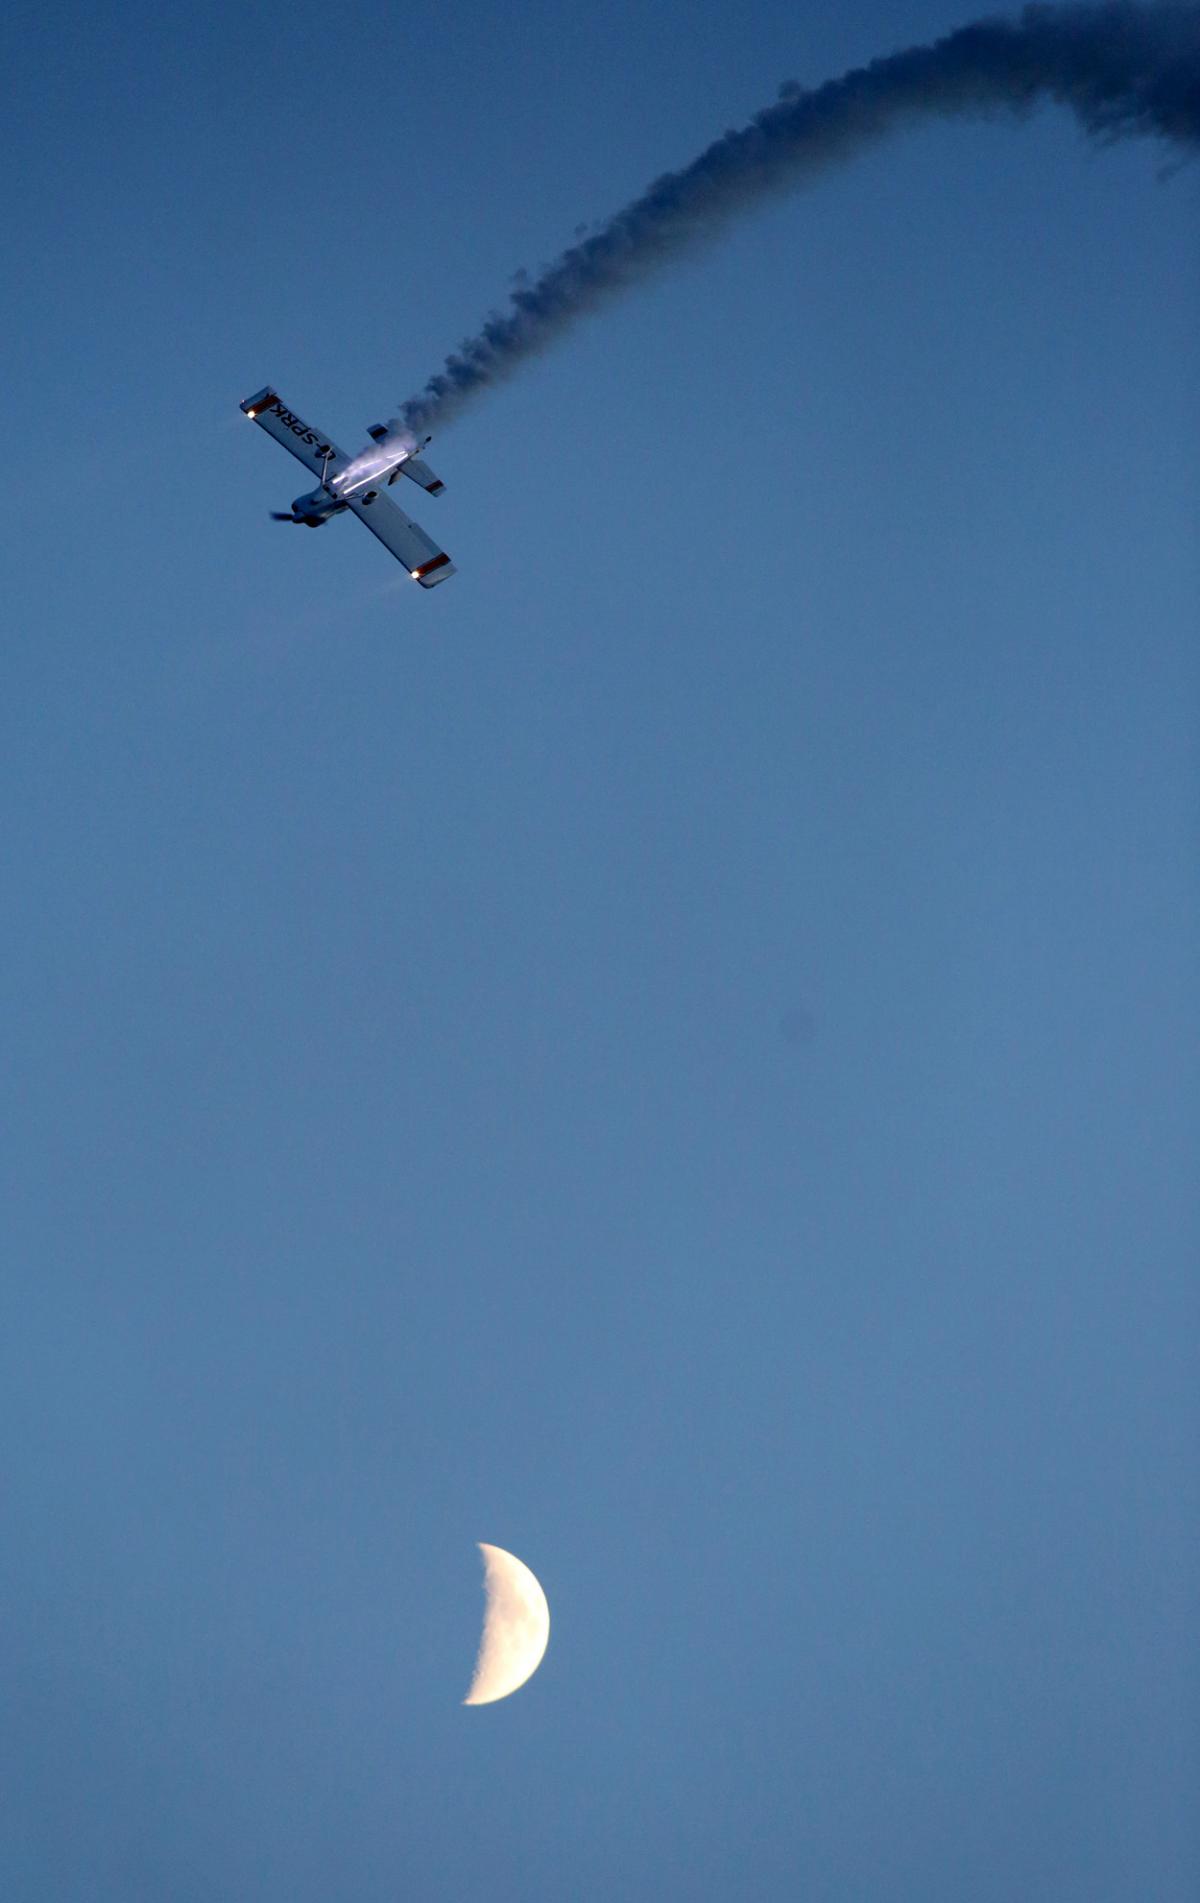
x: 516, y: 1628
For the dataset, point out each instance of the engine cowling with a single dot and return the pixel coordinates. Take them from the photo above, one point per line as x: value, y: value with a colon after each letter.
x: 315, y: 509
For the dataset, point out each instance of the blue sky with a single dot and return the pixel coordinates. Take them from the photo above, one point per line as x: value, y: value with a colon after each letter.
x: 674, y: 1054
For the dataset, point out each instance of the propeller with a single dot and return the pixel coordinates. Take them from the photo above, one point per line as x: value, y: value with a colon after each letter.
x: 278, y: 516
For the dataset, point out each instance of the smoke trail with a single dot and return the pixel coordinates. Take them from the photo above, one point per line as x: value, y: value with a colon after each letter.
x: 1123, y: 70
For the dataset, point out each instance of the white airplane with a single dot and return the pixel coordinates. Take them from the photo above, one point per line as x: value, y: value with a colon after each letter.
x: 357, y: 483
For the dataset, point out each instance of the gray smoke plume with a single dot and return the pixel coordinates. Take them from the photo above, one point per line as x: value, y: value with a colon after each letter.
x: 1123, y: 70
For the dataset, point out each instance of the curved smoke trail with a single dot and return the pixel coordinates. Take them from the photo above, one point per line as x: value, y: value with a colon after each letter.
x: 1123, y: 70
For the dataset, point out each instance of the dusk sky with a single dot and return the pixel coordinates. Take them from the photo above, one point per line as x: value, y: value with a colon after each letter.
x: 674, y: 1054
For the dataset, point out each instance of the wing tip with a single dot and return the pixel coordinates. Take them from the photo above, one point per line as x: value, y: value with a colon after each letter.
x: 254, y: 405
x: 429, y: 574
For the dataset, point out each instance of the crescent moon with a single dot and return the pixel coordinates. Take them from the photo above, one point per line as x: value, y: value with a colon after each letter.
x: 516, y: 1627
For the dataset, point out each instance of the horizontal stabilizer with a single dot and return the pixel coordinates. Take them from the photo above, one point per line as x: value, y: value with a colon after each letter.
x: 422, y: 475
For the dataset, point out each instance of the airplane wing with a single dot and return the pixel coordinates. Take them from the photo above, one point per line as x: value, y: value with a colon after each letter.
x: 424, y: 560
x: 308, y: 445
x: 421, y: 474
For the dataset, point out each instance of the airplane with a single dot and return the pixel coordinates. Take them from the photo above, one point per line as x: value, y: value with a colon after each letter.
x: 356, y: 483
